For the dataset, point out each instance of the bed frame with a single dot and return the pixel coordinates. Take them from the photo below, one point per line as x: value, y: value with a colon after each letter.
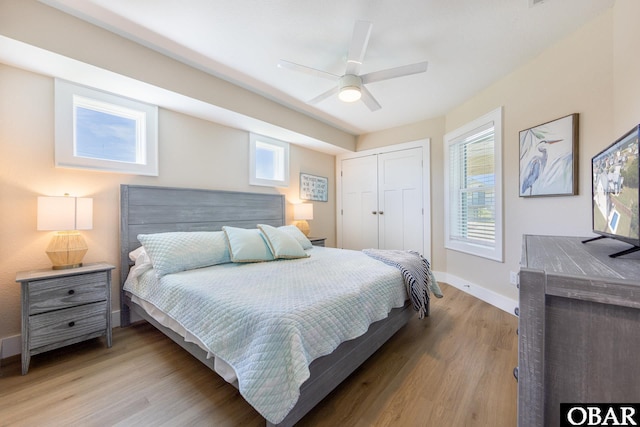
x: 146, y: 209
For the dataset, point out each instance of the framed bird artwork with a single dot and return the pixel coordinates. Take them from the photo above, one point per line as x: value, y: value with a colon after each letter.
x: 549, y: 158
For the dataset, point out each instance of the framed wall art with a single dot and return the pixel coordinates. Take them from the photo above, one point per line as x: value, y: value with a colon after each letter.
x: 314, y: 187
x: 549, y: 158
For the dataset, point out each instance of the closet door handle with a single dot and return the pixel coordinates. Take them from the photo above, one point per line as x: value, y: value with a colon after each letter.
x: 381, y: 212
x: 374, y: 212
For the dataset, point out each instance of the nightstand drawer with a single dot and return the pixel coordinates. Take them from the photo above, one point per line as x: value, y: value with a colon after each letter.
x: 62, y: 325
x: 59, y: 293
x: 317, y: 241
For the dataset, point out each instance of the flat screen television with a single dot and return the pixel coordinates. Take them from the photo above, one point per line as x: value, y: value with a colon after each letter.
x: 615, y: 174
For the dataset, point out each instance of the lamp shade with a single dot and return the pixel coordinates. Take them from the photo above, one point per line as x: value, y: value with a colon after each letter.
x: 303, y: 211
x: 65, y: 213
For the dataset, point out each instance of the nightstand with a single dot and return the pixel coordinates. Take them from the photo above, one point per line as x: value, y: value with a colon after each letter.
x: 317, y: 241
x: 62, y: 307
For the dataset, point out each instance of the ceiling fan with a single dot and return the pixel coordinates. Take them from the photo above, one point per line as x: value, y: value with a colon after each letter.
x: 350, y: 87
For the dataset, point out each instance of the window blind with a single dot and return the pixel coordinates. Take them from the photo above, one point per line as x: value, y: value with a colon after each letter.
x: 472, y: 187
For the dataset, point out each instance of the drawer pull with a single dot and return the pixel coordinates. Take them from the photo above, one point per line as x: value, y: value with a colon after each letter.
x: 72, y: 324
x: 515, y: 373
x: 71, y: 292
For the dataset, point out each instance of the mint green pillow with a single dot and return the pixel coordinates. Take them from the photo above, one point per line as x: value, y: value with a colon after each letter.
x: 247, y: 245
x: 295, y: 232
x: 282, y: 245
x: 185, y: 250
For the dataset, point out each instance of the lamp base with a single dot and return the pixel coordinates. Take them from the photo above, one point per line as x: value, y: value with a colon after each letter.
x: 65, y: 267
x: 303, y: 226
x: 66, y: 250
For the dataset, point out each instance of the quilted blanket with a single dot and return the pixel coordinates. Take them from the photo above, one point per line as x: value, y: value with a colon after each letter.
x: 270, y: 320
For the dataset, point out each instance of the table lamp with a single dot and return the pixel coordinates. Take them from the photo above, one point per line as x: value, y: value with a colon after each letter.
x: 301, y: 213
x: 65, y: 215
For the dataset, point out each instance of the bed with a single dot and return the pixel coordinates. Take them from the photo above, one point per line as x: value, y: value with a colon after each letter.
x: 149, y: 210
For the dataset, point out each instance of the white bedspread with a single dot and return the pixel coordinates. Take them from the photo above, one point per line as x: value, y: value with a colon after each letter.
x: 270, y: 320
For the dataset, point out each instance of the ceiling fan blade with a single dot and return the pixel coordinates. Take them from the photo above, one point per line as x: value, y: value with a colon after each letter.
x: 392, y: 73
x: 307, y: 70
x: 324, y: 95
x: 358, y: 46
x: 369, y: 100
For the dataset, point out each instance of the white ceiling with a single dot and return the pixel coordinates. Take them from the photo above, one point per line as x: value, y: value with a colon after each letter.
x: 469, y: 45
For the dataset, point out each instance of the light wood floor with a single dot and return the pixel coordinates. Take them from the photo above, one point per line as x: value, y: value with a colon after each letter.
x: 452, y: 369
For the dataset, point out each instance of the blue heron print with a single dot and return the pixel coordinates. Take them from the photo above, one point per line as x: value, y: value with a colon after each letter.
x: 546, y: 159
x: 536, y: 166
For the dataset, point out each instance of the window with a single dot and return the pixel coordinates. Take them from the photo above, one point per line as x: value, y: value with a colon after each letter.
x: 268, y: 161
x: 473, y: 187
x: 102, y: 131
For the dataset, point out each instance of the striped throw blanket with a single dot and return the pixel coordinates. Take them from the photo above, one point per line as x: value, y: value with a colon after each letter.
x: 416, y: 273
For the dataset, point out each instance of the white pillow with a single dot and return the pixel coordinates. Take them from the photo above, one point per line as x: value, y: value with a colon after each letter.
x: 179, y: 251
x: 142, y: 263
x: 295, y: 232
x: 281, y: 244
x: 247, y: 245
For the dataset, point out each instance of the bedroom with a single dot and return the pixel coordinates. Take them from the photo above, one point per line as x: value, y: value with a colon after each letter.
x: 589, y: 72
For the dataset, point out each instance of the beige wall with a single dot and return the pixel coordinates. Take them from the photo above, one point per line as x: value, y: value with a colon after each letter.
x: 574, y: 76
x: 36, y: 24
x: 626, y: 66
x: 592, y: 72
x: 433, y: 129
x: 193, y: 153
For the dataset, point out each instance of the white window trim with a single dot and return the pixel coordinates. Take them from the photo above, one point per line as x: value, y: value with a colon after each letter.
x: 254, y: 139
x: 496, y: 252
x: 145, y: 114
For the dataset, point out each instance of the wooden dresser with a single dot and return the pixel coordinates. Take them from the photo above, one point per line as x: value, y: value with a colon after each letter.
x: 579, y: 326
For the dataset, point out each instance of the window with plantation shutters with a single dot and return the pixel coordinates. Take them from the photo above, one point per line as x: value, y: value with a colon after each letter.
x: 473, y: 187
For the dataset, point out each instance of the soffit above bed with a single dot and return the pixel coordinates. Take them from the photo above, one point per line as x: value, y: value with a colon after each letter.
x: 468, y: 44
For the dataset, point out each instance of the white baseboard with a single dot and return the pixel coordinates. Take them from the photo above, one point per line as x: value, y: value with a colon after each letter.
x: 487, y: 295
x: 12, y: 346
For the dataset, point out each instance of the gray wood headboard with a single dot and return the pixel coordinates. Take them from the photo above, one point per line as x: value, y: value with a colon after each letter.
x: 146, y: 209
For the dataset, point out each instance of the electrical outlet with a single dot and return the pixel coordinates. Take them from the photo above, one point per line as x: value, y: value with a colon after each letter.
x: 513, y: 278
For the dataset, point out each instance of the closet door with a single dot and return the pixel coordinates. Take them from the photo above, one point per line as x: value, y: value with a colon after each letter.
x: 382, y: 201
x: 360, y: 203
x: 400, y: 214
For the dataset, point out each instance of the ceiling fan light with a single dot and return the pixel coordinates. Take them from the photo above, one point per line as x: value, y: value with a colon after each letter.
x: 350, y: 94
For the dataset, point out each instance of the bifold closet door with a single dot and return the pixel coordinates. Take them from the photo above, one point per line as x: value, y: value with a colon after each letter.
x: 400, y: 216
x: 360, y: 203
x: 382, y: 204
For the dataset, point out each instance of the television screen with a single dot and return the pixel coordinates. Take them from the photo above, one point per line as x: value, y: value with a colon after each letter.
x: 615, y: 189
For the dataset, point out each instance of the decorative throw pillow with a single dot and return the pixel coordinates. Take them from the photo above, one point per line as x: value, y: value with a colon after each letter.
x: 295, y: 232
x: 179, y: 251
x: 281, y: 244
x: 247, y: 245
